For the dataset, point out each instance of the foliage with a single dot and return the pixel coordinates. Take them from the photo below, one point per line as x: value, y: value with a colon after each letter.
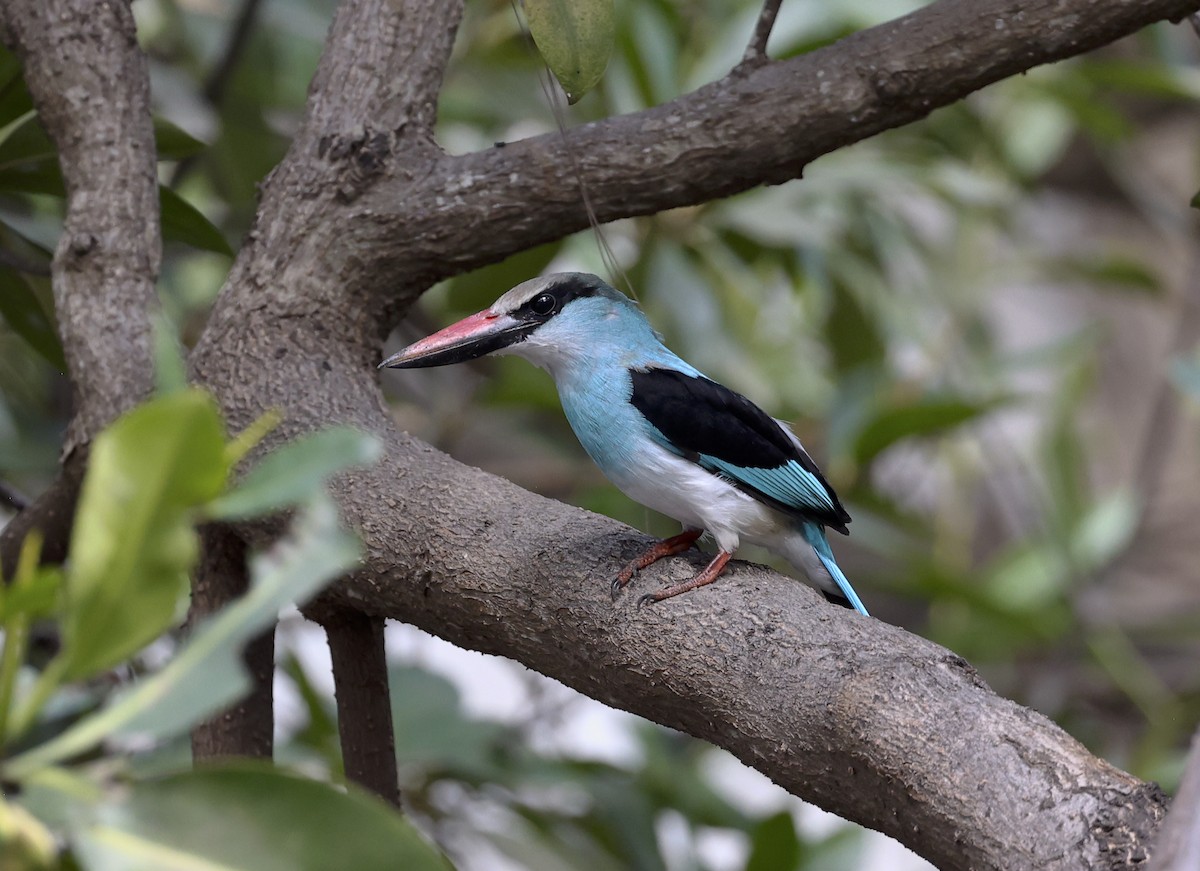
x: 921, y: 295
x: 153, y: 475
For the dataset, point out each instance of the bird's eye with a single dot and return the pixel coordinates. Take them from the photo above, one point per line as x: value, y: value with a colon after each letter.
x: 543, y: 303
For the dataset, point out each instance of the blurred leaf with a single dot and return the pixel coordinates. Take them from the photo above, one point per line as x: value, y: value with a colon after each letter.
x: 292, y: 473
x: 320, y: 731
x: 24, y: 141
x: 1161, y: 81
x: 207, y: 673
x: 14, y: 96
x: 23, y: 313
x: 183, y: 222
x: 249, y: 817
x: 170, y: 369
x: 1105, y: 530
x: 853, y: 336
x: 173, y: 142
x: 25, y: 844
x: 41, y: 177
x: 774, y: 845
x: 432, y: 730
x: 575, y: 38
x: 133, y: 542
x: 1106, y: 271
x: 924, y: 417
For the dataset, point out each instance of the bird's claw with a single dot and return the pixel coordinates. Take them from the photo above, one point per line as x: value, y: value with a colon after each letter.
x: 648, y: 599
x: 621, y: 581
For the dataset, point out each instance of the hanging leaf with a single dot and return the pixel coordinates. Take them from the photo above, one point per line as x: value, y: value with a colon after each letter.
x: 23, y: 312
x: 183, y: 222
x: 575, y: 38
x: 173, y: 142
x: 926, y: 417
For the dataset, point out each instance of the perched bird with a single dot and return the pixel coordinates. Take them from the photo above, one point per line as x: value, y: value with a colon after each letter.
x: 666, y: 435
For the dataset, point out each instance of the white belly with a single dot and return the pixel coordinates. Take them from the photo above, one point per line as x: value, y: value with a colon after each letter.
x: 698, y: 499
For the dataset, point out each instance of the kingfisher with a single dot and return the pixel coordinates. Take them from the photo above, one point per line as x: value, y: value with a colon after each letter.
x: 665, y: 434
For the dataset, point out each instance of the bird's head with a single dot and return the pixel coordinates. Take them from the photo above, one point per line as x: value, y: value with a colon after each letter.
x: 547, y: 320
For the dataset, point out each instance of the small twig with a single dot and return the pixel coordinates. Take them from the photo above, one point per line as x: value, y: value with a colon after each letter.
x: 756, y: 51
x: 11, y: 497
x: 218, y: 79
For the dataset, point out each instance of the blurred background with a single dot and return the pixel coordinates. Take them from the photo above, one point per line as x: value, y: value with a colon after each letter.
x: 984, y: 326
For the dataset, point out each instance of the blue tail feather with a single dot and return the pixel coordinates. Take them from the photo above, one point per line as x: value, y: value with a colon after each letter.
x: 815, y: 536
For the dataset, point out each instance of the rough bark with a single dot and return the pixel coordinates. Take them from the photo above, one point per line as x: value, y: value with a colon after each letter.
x: 360, y: 680
x: 91, y: 85
x: 365, y: 212
x: 246, y: 728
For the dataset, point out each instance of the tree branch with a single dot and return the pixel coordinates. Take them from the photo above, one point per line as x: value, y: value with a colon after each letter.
x: 756, y: 51
x: 431, y: 221
x: 862, y: 718
x: 91, y: 86
x: 360, y: 677
x: 246, y: 728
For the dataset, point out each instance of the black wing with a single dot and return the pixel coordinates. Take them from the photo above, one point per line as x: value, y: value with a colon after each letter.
x: 727, y: 434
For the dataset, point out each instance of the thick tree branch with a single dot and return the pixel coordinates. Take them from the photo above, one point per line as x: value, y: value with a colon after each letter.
x: 91, y: 86
x: 860, y: 717
x: 246, y: 728
x: 763, y: 127
x: 857, y: 716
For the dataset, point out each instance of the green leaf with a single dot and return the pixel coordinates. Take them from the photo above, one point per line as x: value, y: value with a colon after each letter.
x: 24, y: 141
x: 774, y: 845
x: 293, y: 472
x: 24, y: 314
x: 207, y: 674
x: 250, y: 817
x: 575, y: 38
x: 14, y: 96
x: 1112, y: 271
x: 1105, y: 530
x: 183, y: 222
x: 854, y: 338
x: 25, y: 843
x: 175, y: 143
x: 925, y: 417
x: 170, y: 370
x: 133, y: 542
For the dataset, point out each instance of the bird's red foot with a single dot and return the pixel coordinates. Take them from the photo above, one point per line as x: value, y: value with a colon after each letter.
x: 667, y: 547
x: 706, y: 576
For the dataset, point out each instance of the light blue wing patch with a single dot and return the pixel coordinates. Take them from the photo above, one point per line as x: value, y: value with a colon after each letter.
x: 789, y: 484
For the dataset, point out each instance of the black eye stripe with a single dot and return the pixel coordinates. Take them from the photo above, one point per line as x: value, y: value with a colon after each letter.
x: 557, y: 294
